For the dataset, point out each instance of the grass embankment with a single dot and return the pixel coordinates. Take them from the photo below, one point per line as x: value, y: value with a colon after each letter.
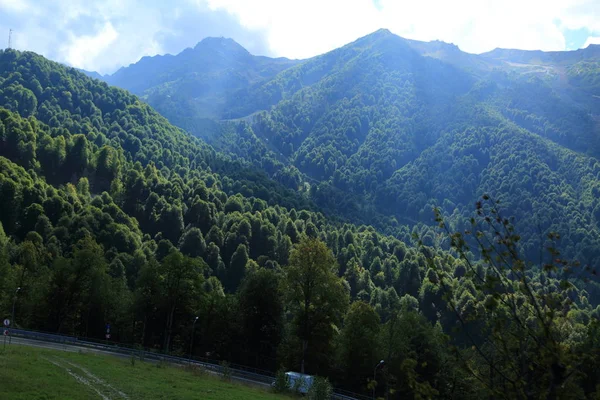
x: 34, y: 373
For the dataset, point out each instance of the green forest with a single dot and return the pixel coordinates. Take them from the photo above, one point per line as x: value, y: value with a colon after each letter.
x: 327, y: 248
x: 378, y: 132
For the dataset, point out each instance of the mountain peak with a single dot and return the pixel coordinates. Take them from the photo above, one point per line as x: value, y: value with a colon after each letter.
x: 378, y: 34
x: 221, y: 44
x: 382, y: 32
x: 381, y: 36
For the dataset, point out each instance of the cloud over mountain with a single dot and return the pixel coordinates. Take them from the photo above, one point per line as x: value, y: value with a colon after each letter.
x: 105, y: 35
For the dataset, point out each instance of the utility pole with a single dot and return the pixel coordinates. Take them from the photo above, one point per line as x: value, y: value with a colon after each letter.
x: 10, y: 38
x: 381, y: 363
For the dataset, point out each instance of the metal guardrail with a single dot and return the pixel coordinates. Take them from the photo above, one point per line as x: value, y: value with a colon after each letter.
x: 238, y: 372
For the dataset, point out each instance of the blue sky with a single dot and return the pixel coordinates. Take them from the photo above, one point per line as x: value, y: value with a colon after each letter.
x: 105, y: 35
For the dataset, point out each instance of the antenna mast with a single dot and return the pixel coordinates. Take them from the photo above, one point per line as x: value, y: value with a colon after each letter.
x: 9, y: 37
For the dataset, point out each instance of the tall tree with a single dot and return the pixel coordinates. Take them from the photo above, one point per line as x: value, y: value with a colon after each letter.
x: 147, y: 296
x: 75, y: 281
x: 261, y: 315
x: 237, y: 268
x: 358, y: 349
x: 181, y: 280
x: 415, y: 357
x: 192, y: 243
x: 6, y: 272
x: 317, y: 298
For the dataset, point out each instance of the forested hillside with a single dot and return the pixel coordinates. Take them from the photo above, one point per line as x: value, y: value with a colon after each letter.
x: 110, y: 214
x: 383, y: 129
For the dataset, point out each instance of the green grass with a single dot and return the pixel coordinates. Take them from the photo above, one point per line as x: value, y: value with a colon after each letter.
x: 34, y: 373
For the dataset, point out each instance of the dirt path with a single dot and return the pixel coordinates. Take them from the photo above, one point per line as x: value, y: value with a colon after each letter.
x: 104, y: 390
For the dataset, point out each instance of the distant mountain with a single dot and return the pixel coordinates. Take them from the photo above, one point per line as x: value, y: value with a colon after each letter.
x: 451, y: 54
x: 193, y: 85
x: 576, y: 73
x: 384, y: 128
x: 91, y: 74
x: 545, y: 57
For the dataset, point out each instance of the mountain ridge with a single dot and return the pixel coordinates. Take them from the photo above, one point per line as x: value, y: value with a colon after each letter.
x: 591, y: 51
x: 358, y: 126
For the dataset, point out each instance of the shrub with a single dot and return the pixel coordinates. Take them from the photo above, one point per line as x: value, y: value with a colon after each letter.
x: 321, y: 389
x: 226, y: 371
x: 282, y: 382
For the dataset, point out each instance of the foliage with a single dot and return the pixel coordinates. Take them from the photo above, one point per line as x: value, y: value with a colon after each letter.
x: 358, y: 345
x: 517, y: 319
x: 320, y: 389
x: 585, y: 75
x: 226, y: 371
x: 281, y: 384
x: 316, y: 298
x: 261, y: 314
x: 143, y: 191
x: 383, y: 129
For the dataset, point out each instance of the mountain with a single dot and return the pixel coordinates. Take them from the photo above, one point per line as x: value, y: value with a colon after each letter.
x: 91, y: 74
x: 384, y: 128
x: 112, y: 215
x: 402, y: 132
x: 102, y: 197
x: 544, y: 57
x: 193, y: 85
x: 574, y: 73
x: 451, y: 54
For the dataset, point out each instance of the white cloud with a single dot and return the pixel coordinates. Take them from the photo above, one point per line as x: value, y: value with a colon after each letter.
x: 302, y: 29
x: 103, y: 35
x: 592, y: 40
x: 123, y: 32
x: 577, y: 14
x: 100, y: 35
x: 18, y: 6
x: 82, y: 51
x: 306, y: 28
x: 477, y: 26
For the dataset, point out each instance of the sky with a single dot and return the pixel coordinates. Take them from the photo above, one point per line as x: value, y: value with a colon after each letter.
x: 104, y: 35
